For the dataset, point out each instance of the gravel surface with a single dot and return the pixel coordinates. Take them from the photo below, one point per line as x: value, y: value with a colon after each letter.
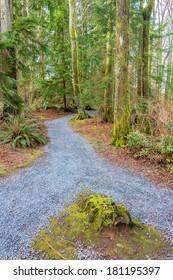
x: 30, y: 196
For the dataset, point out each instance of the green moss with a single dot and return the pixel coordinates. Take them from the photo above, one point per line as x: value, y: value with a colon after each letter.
x: 120, y: 142
x: 121, y: 130
x: 103, y: 212
x: 82, y: 116
x: 143, y: 242
x: 37, y: 154
x: 75, y: 119
x: 64, y: 232
x: 3, y: 170
x: 43, y: 118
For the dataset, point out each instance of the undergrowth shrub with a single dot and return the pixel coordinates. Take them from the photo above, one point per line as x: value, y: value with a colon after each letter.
x: 138, y: 140
x: 149, y: 146
x: 157, y: 112
x: 21, y: 132
x: 165, y: 145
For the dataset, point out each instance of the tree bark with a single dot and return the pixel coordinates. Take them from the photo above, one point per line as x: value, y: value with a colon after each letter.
x: 147, y: 11
x: 6, y: 24
x: 6, y: 14
x: 74, y: 49
x: 107, y: 116
x: 122, y: 94
x: 82, y: 114
x: 140, y: 53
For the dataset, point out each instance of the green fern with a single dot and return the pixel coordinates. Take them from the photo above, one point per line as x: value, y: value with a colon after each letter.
x: 21, y: 132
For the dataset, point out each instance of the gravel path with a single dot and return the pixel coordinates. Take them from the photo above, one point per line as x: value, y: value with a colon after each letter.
x: 30, y: 196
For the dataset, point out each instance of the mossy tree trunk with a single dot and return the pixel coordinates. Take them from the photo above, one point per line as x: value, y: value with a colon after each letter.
x: 74, y: 49
x: 64, y: 71
x: 76, y: 81
x: 5, y: 24
x: 108, y: 110
x: 140, y: 52
x: 122, y: 94
x: 8, y: 86
x: 147, y: 11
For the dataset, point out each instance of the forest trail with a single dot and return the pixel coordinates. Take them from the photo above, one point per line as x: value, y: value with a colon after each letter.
x: 30, y: 196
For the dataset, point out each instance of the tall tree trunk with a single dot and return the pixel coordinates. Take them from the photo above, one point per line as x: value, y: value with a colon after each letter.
x: 122, y: 94
x: 74, y: 50
x: 64, y: 72
x: 7, y: 15
x: 12, y: 102
x: 169, y: 75
x: 107, y: 116
x: 6, y: 24
x: 146, y: 39
x: 140, y: 53
x: 82, y: 114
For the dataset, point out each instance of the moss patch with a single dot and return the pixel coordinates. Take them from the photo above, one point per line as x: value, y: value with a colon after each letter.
x: 90, y: 221
x: 104, y: 212
x: 3, y: 170
x: 75, y: 119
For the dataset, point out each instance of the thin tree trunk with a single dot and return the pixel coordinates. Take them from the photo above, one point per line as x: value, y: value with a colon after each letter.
x: 140, y: 52
x: 168, y: 78
x: 64, y: 95
x: 64, y: 67
x: 107, y: 117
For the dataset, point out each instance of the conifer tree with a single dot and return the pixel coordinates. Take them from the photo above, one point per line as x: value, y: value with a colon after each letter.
x: 8, y: 84
x: 122, y: 94
x: 76, y: 76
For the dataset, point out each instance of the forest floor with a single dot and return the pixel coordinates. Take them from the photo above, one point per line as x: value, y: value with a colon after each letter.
x: 29, y: 197
x: 12, y: 159
x: 100, y: 134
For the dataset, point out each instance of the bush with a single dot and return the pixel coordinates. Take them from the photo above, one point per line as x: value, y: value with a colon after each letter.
x: 146, y: 146
x: 138, y: 140
x: 165, y: 145
x: 21, y: 132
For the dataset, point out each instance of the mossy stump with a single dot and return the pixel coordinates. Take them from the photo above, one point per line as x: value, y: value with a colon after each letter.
x: 104, y: 212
